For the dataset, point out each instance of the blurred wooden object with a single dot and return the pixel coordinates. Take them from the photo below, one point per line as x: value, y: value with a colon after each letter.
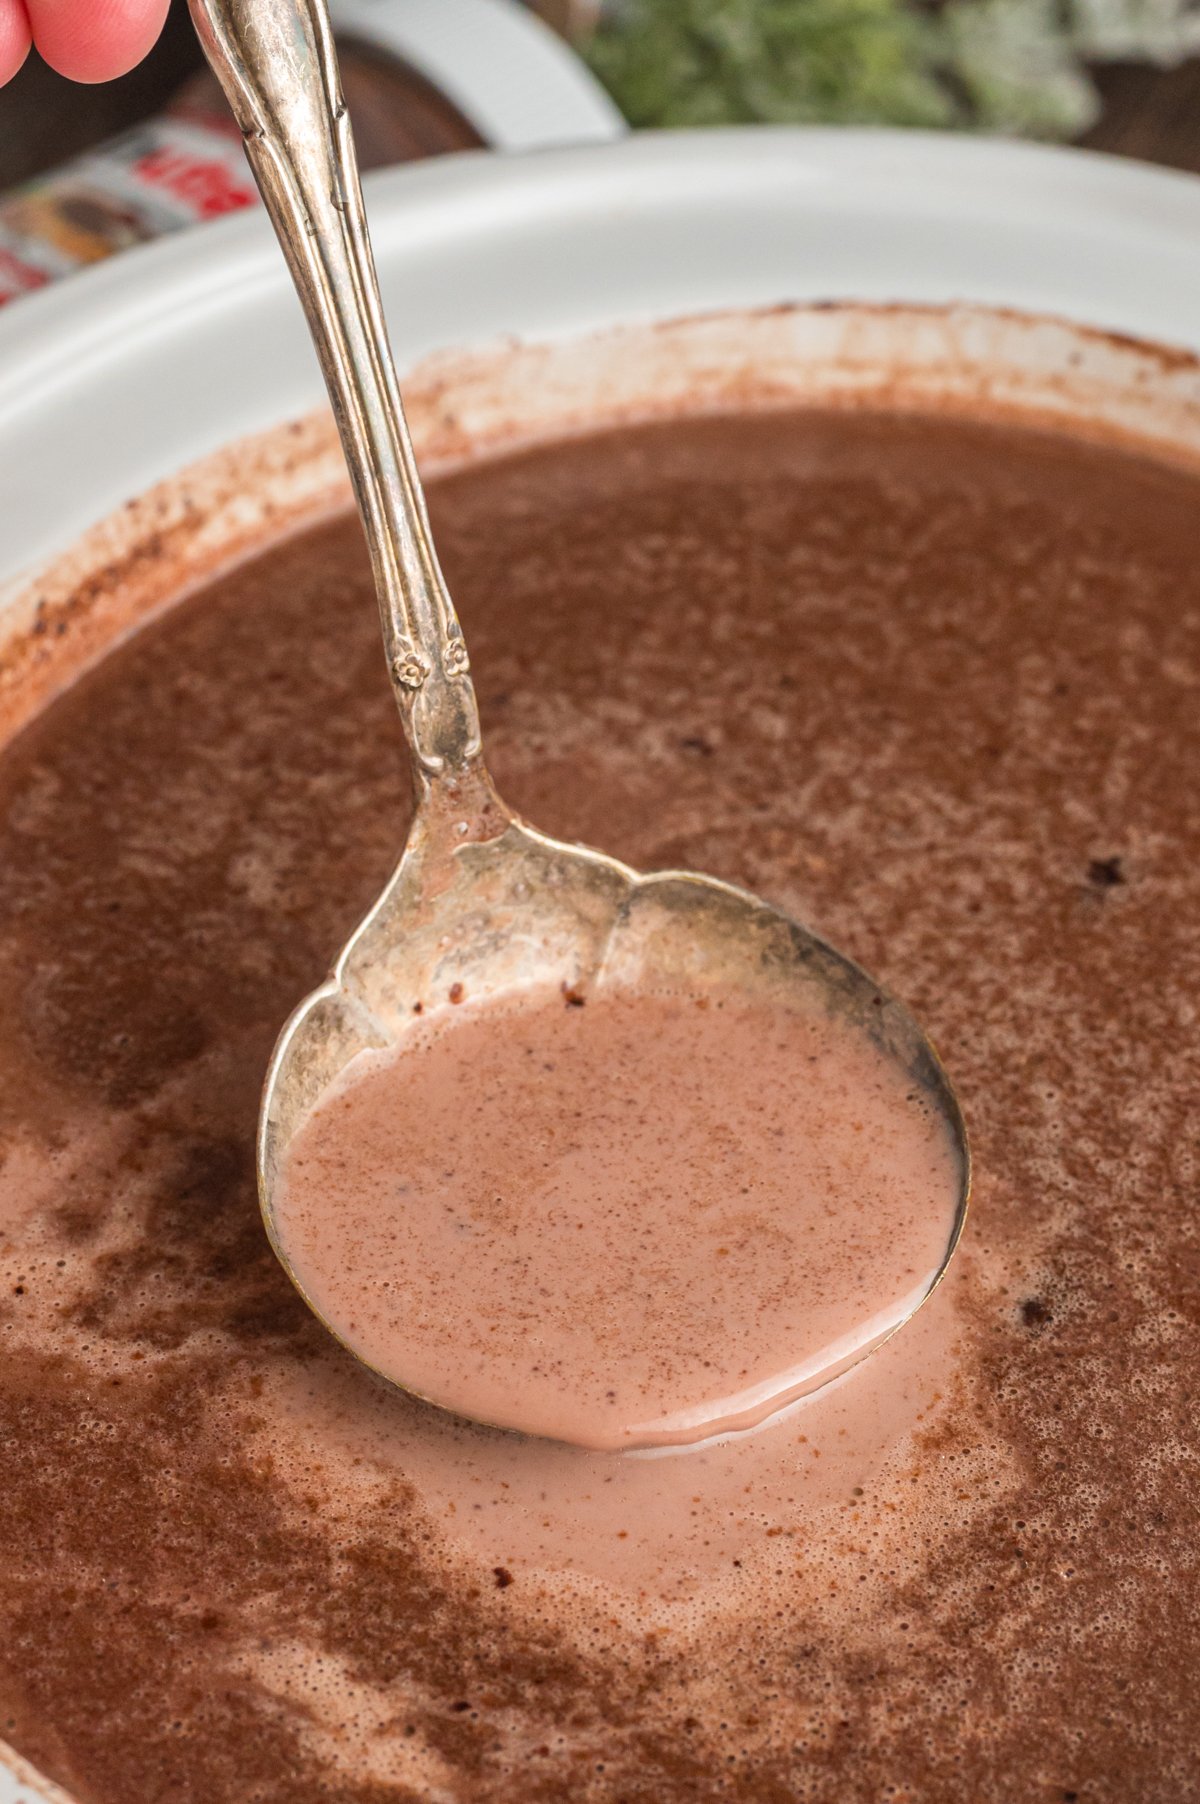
x: 1153, y: 114
x: 568, y: 16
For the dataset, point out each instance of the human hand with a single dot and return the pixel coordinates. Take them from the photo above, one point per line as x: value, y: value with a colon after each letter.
x: 88, y: 40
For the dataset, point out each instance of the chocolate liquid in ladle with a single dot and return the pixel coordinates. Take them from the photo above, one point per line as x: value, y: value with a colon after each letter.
x: 620, y: 1218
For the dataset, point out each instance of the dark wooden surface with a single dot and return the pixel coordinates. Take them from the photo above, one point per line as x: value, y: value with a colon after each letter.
x: 1150, y: 113
x: 1153, y: 114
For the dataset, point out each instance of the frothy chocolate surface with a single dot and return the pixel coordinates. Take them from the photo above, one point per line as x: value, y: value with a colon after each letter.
x: 932, y: 687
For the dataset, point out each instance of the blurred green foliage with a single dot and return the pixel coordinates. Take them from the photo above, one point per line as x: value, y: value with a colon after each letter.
x: 1015, y: 66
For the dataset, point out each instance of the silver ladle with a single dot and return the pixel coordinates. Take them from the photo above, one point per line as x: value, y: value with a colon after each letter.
x: 481, y: 904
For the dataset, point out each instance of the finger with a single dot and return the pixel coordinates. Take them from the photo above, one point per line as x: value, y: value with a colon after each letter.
x: 95, y: 40
x: 14, y: 38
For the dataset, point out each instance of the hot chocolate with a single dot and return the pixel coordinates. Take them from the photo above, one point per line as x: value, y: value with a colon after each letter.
x: 926, y: 684
x: 620, y: 1218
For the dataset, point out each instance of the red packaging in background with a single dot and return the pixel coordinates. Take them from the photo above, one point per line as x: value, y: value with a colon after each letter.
x: 421, y: 78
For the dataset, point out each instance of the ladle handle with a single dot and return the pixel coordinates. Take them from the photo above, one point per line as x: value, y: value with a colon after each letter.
x: 276, y: 61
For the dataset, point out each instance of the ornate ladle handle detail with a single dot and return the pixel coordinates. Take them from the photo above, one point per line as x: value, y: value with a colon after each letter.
x: 277, y: 63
